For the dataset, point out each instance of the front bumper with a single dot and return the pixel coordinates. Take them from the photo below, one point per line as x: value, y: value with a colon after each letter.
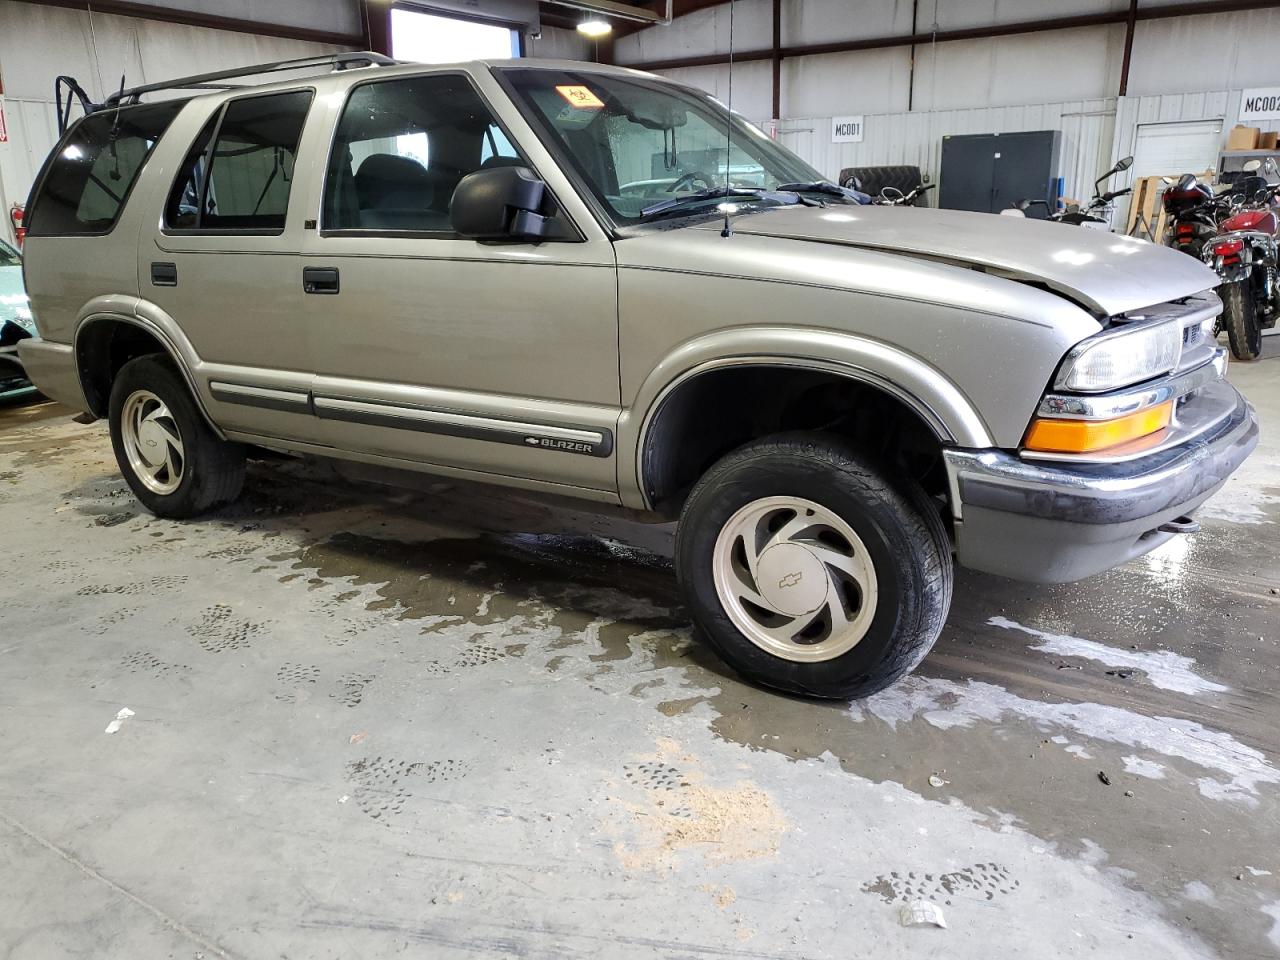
x: 1054, y: 522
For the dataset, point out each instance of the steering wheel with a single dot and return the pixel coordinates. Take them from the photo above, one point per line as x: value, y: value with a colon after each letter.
x: 695, y: 176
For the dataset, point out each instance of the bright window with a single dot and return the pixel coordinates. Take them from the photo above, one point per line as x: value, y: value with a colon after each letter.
x: 428, y: 38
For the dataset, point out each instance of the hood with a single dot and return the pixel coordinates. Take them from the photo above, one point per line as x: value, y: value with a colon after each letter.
x: 1106, y: 273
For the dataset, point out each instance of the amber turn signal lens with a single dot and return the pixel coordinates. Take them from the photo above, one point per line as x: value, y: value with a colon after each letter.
x: 1090, y: 436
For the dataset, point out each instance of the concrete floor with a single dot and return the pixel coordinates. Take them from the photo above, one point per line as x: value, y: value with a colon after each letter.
x: 465, y: 723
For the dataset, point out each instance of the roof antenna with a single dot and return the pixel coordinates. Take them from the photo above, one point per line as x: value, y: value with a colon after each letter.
x: 728, y: 133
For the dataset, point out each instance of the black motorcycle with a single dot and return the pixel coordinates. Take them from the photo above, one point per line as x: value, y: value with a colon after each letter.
x: 893, y: 197
x: 1096, y: 214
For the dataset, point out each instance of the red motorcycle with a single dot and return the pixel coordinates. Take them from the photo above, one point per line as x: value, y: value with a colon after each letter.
x: 1193, y: 214
x: 1244, y: 254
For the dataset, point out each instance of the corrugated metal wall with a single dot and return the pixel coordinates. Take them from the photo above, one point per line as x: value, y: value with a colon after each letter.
x: 1095, y: 133
x: 1087, y: 126
x: 33, y: 129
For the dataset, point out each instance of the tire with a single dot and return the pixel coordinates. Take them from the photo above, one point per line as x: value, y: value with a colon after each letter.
x: 1240, y: 319
x: 199, y: 472
x: 875, y: 179
x: 898, y: 594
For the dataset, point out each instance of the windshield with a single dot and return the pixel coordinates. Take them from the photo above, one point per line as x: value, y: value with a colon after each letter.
x: 640, y: 142
x: 8, y: 256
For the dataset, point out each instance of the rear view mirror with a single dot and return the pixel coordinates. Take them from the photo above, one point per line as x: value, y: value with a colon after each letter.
x: 501, y: 203
x: 659, y: 115
x: 1123, y: 164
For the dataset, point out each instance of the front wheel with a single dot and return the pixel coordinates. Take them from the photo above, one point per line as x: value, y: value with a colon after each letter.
x: 809, y: 571
x: 168, y: 455
x: 1240, y: 319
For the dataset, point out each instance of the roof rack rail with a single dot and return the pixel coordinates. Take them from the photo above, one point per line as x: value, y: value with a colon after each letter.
x: 205, y: 81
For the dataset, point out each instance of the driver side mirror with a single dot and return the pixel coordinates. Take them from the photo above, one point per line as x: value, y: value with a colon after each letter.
x: 502, y: 203
x: 1124, y: 163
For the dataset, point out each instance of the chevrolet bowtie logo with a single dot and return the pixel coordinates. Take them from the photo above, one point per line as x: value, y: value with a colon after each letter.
x: 790, y: 580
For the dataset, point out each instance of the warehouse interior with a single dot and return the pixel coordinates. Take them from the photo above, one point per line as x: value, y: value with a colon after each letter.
x: 437, y: 697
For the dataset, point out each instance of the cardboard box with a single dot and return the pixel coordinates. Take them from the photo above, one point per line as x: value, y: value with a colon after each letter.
x: 1269, y: 140
x: 1243, y: 138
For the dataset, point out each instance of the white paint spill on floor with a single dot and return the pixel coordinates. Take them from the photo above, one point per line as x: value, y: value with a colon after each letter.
x: 1143, y: 768
x: 947, y: 704
x: 1164, y: 668
x: 1246, y: 495
x: 1199, y: 892
x: 1272, y: 910
x: 114, y: 726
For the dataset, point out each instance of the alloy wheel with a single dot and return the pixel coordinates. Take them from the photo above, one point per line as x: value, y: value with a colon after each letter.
x: 795, y: 579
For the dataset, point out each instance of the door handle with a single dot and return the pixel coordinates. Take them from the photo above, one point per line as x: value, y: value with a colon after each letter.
x: 164, y: 274
x: 320, y: 279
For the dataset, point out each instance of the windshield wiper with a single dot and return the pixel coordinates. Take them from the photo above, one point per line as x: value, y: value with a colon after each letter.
x: 758, y: 193
x: 824, y: 186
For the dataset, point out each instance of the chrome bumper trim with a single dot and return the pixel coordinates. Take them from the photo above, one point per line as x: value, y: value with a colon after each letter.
x: 1102, y: 493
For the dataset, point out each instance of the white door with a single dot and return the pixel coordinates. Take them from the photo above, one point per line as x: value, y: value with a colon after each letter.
x: 1177, y: 147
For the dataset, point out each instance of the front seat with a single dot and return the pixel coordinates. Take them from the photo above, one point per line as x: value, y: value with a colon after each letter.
x: 397, y: 193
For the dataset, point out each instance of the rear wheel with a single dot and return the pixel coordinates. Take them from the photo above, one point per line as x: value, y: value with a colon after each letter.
x: 809, y: 571
x: 1240, y: 319
x: 168, y: 455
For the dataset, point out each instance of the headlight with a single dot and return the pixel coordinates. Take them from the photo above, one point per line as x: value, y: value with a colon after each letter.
x: 1118, y: 358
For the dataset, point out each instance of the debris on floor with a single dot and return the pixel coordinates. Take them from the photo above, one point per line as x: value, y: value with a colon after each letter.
x: 921, y: 912
x: 124, y: 714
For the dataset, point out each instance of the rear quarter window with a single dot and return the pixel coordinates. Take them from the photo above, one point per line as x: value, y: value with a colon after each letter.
x: 88, y: 179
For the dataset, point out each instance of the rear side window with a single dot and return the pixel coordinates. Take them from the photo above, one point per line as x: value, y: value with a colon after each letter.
x: 238, y: 173
x: 89, y: 179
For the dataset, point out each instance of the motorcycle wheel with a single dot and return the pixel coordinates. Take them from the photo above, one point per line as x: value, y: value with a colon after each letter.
x: 1240, y: 318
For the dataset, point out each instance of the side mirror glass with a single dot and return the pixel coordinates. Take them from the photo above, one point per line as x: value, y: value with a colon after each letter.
x: 1124, y: 164
x: 502, y: 203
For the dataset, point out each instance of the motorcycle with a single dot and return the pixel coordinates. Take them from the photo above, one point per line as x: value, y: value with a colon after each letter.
x: 893, y: 197
x: 1244, y: 255
x: 1193, y: 213
x: 1095, y: 215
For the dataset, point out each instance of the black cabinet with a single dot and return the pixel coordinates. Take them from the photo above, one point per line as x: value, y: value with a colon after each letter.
x: 990, y: 172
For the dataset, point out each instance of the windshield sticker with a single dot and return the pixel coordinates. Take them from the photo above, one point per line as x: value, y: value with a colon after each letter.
x: 580, y: 97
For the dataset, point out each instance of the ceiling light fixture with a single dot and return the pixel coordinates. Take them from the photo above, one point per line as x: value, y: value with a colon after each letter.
x: 595, y: 28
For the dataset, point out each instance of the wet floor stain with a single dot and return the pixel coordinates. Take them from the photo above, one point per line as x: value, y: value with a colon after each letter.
x: 390, y: 579
x: 382, y: 786
x: 218, y: 630
x: 984, y: 881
